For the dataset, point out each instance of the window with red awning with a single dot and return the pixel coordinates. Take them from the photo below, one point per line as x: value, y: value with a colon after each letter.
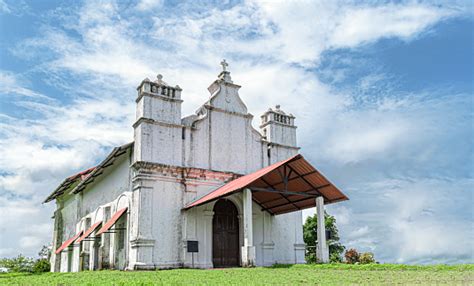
x: 68, y: 242
x: 112, y: 221
x: 89, y: 231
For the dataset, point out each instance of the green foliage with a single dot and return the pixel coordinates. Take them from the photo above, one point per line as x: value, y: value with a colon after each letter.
x: 311, y: 274
x: 335, y: 258
x: 366, y: 258
x: 310, y: 236
x: 352, y: 256
x: 41, y: 265
x: 45, y: 252
x: 18, y: 264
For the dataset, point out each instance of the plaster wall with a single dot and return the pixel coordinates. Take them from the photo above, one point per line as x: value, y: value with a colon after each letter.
x: 166, y: 223
x: 226, y: 141
x: 113, y: 182
x: 159, y: 108
x: 159, y: 143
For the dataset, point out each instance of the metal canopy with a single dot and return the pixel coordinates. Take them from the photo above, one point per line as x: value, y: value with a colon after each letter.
x: 89, y: 231
x: 112, y: 221
x: 68, y: 242
x: 287, y: 186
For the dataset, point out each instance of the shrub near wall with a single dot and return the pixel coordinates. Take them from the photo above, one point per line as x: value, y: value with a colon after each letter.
x: 352, y: 256
x: 41, y: 265
x: 366, y: 258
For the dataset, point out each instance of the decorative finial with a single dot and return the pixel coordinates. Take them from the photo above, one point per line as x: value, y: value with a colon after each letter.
x: 277, y: 106
x: 224, y: 65
x: 159, y: 77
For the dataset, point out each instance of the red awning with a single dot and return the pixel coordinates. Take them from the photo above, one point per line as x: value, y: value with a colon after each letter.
x: 286, y: 186
x: 111, y: 221
x: 88, y: 231
x: 68, y: 242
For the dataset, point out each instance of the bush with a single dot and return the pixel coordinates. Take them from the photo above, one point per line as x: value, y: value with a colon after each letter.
x: 41, y: 265
x: 311, y: 257
x: 335, y: 258
x: 18, y: 264
x: 310, y: 236
x: 352, y: 256
x: 366, y: 258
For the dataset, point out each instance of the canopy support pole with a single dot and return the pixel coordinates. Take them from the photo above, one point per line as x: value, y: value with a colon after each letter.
x: 248, y: 250
x: 322, y: 250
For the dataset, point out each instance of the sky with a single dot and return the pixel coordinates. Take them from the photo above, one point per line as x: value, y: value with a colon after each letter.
x: 382, y: 94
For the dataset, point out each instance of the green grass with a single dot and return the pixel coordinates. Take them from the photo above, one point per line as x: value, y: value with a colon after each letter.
x: 332, y: 274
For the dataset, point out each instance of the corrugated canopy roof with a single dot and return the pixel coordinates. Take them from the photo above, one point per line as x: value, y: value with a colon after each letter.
x: 68, y: 242
x: 112, y: 221
x: 88, y: 232
x: 287, y: 186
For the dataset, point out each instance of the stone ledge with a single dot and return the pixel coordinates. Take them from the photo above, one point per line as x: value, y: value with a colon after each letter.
x: 156, y: 95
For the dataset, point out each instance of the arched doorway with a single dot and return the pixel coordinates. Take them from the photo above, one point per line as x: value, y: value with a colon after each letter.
x: 121, y: 242
x: 225, y: 235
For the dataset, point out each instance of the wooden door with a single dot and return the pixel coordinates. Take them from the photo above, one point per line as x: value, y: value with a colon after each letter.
x: 225, y: 235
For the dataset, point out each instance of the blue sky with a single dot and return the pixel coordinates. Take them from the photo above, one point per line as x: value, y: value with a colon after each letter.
x: 382, y: 94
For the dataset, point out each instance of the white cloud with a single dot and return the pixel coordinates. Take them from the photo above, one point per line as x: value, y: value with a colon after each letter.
x: 10, y: 84
x: 307, y: 28
x: 4, y: 7
x: 148, y: 4
x: 269, y: 46
x: 360, y: 232
x: 367, y: 24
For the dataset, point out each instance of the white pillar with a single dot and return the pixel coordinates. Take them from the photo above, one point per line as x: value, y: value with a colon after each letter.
x: 322, y: 250
x: 248, y: 250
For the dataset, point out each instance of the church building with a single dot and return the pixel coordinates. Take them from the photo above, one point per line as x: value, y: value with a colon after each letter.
x: 205, y: 191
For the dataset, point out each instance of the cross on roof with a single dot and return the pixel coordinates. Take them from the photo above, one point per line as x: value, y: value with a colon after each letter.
x: 224, y: 65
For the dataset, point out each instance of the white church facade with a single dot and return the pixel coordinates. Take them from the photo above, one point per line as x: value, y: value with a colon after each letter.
x: 207, y: 190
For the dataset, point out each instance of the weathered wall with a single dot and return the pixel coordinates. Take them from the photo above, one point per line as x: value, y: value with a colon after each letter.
x: 107, y: 187
x: 227, y: 142
x: 106, y: 191
x: 221, y: 141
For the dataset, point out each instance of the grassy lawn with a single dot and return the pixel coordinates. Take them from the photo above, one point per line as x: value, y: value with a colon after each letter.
x: 342, y: 274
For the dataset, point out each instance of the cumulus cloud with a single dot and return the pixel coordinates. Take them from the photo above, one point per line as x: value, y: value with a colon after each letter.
x: 96, y: 53
x: 301, y: 40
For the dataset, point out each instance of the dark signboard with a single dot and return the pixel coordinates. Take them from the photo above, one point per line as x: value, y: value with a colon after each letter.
x: 328, y: 235
x: 193, y: 246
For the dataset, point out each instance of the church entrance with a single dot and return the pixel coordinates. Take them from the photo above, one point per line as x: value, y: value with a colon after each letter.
x: 225, y: 235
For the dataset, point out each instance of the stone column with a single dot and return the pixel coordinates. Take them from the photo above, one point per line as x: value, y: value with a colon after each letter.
x: 322, y: 250
x: 248, y: 250
x: 268, y: 245
x: 55, y: 259
x: 142, y: 242
x: 207, y: 241
x: 299, y: 246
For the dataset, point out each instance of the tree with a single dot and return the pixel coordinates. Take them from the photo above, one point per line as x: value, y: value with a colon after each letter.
x: 18, y: 264
x: 310, y: 236
x: 41, y: 265
x: 352, y: 256
x: 45, y: 252
x: 366, y: 258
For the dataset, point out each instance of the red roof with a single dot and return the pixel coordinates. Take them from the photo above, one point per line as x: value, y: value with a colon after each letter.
x: 82, y: 175
x: 111, y: 221
x: 88, y: 231
x: 285, y: 186
x: 68, y: 242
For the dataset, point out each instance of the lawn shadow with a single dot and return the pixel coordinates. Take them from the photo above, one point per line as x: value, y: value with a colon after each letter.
x: 280, y: 266
x: 14, y: 274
